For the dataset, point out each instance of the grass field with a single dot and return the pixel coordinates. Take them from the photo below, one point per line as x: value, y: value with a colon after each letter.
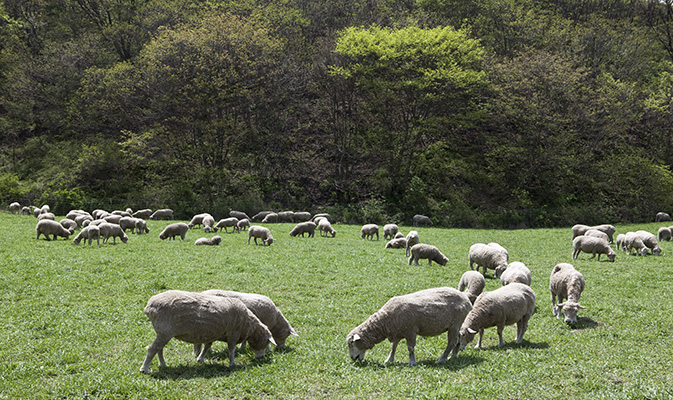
x: 72, y: 322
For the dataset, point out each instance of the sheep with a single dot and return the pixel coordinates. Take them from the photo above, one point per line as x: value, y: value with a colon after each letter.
x: 198, y: 219
x: 228, y: 222
x: 662, y: 217
x: 302, y: 228
x: 260, y: 216
x: 208, y: 222
x: 322, y: 215
x: 114, y: 231
x: 202, y: 319
x: 428, y: 312
x: 398, y: 243
x: 46, y: 215
x: 264, y: 309
x: 145, y: 213
x: 412, y: 239
x: 213, y: 241
x: 14, y: 207
x: 633, y: 241
x: 421, y: 220
x: 664, y: 234
x: 593, y: 245
x: 325, y: 228
x: 286, y: 216
x: 620, y: 242
x: 173, y: 230
x: 302, y: 216
x: 650, y: 241
x: 474, y: 282
x: 243, y: 224
x: 99, y: 214
x: 90, y: 232
x: 566, y: 282
x: 598, y: 234
x: 141, y: 226
x: 487, y: 256
x: 423, y: 251
x: 390, y: 230
x: 123, y: 213
x: 48, y: 227
x: 398, y: 235
x: 45, y: 209
x: 162, y: 213
x: 68, y: 224
x: 73, y: 214
x: 260, y: 232
x: 507, y: 305
x: 25, y: 210
x: 579, y: 229
x: 238, y: 215
x: 270, y: 218
x: 80, y: 219
x: 128, y: 223
x: 516, y: 272
x: 368, y: 231
x: 113, y: 219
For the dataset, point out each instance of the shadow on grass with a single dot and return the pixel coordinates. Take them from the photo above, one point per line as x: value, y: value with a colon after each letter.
x: 584, y: 323
x: 454, y: 364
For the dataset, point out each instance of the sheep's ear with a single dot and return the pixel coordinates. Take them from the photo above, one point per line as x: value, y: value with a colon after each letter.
x: 293, y: 332
x: 356, y: 337
x: 581, y: 306
x: 272, y: 341
x: 560, y: 305
x: 471, y: 331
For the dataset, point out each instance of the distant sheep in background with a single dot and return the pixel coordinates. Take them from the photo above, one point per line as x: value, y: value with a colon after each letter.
x: 259, y: 217
x: 231, y: 222
x: 164, y: 213
x: 429, y: 252
x: 270, y: 218
x: 302, y: 216
x: 142, y: 214
x: 198, y: 219
x: 302, y: 228
x: 579, y: 230
x: 15, y: 207
x: 239, y: 215
x: 662, y: 217
x: 664, y: 234
x: 243, y: 224
x: 593, y: 246
x: 421, y: 220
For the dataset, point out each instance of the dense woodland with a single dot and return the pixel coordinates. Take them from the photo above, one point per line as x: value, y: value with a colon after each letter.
x: 495, y: 113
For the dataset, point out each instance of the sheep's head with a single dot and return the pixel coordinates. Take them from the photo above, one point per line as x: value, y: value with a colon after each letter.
x: 259, y: 343
x: 333, y: 232
x: 570, y: 309
x: 656, y: 250
x: 466, y: 336
x: 500, y: 269
x: 269, y: 240
x: 643, y: 252
x: 216, y: 239
x: 356, y: 347
x: 442, y: 259
x: 611, y: 255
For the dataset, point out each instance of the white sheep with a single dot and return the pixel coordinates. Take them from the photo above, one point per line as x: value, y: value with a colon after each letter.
x: 141, y: 226
x: 390, y: 230
x: 664, y: 234
x: 46, y: 215
x: 260, y: 216
x: 202, y: 319
x: 123, y: 213
x: 633, y: 242
x: 145, y: 213
x: 48, y: 227
x: 620, y: 242
x: 173, y: 230
x: 507, y: 305
x: 397, y: 243
x: 579, y: 229
x: 81, y: 219
x: 325, y: 228
x: 113, y: 219
x: 128, y: 223
x: 231, y: 222
x: 598, y: 234
x: 114, y: 231
x: 566, y: 282
x: 662, y: 217
x: 592, y: 245
x: 473, y: 283
x: 429, y: 252
x: 368, y: 231
x: 421, y: 220
x: 25, y: 210
x: 322, y: 215
x: 208, y: 224
x: 302, y: 228
x: 260, y: 232
x: 412, y: 239
x: 14, y: 207
x: 650, y: 241
x: 90, y: 232
x: 270, y: 218
x: 302, y: 216
x: 68, y: 224
x: 286, y: 216
x: 45, y: 209
x: 239, y: 215
x: 198, y: 219
x: 99, y: 214
x: 243, y: 224
x: 488, y: 256
x: 516, y: 272
x: 429, y: 312
x: 162, y: 213
x: 213, y: 241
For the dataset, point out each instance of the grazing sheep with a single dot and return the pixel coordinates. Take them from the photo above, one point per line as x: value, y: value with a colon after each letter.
x: 208, y: 224
x: 423, y: 251
x: 46, y: 215
x: 286, y: 216
x: 390, y: 230
x: 650, y: 241
x: 238, y: 215
x: 620, y: 242
x: 598, y: 234
x: 68, y: 224
x: 412, y: 239
x: 73, y: 214
x: 397, y: 243
x: 163, y: 213
x: 213, y: 241
x: 566, y: 282
x: 260, y: 232
x: 145, y: 213
x: 507, y: 305
x: 14, y: 207
x: 270, y: 218
x: 81, y: 219
x: 421, y: 220
x: 45, y: 209
x: 633, y: 241
x: 113, y: 219
x: 302, y: 228
x: 90, y: 232
x: 321, y: 215
x: 368, y: 231
x: 487, y: 256
x: 114, y: 231
x: 124, y: 213
x: 228, y: 222
x: 592, y: 245
x: 260, y: 216
x: 173, y: 230
x: 474, y: 282
x: 429, y: 312
x: 128, y: 223
x: 202, y: 319
x: 264, y: 309
x: 198, y: 220
x: 141, y: 226
x: 99, y: 214
x: 662, y: 217
x: 302, y: 216
x: 325, y: 228
x: 516, y: 272
x: 579, y: 230
x: 243, y: 224
x: 25, y: 210
x: 664, y: 234
x: 48, y: 227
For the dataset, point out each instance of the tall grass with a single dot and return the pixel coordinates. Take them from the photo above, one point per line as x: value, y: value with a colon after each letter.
x: 72, y: 324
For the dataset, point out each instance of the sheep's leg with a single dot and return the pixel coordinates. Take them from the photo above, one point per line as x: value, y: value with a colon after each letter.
x: 157, y: 346
x: 411, y: 344
x: 197, y: 349
x: 451, y: 347
x: 554, y: 310
x: 521, y: 326
x: 242, y: 347
x: 391, y: 356
x: 481, y: 335
x: 593, y: 254
x: 500, y: 341
x: 231, y: 344
x: 202, y: 356
x: 410, y: 258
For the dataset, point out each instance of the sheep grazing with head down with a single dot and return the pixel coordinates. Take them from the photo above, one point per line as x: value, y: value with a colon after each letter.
x: 412, y: 239
x: 302, y: 216
x: 202, y: 319
x: 270, y: 218
x: 325, y: 227
x: 231, y: 222
x: 473, y: 283
x: 145, y: 213
x: 198, y: 219
x: 620, y: 242
x: 429, y: 252
x: 69, y: 224
x: 238, y: 215
x: 579, y: 230
x: 507, y: 305
x: 243, y: 224
x: 213, y: 241
x: 633, y: 242
x: 664, y: 234
x: 113, y: 231
x: 598, y: 234
x: 429, y: 312
x: 593, y: 246
x: 421, y: 220
x: 260, y: 232
x: 650, y: 241
x: 209, y: 224
x: 566, y: 282
x: 163, y: 213
x: 48, y: 227
x: 662, y: 217
x: 259, y: 217
x: 488, y: 256
x: 173, y: 230
x: 516, y: 272
x: 390, y: 230
x: 90, y: 232
x: 302, y: 228
x: 368, y: 231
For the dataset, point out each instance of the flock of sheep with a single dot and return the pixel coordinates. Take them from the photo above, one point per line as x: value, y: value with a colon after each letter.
x: 233, y: 317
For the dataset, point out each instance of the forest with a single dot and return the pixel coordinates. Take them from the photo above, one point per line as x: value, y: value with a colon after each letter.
x: 492, y: 113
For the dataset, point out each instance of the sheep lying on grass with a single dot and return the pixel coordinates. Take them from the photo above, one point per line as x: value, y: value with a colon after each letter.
x: 397, y: 243
x: 173, y: 230
x: 303, y: 228
x: 90, y: 232
x: 429, y: 312
x: 260, y: 232
x: 412, y: 239
x: 593, y: 246
x: 474, y: 282
x: 516, y: 272
x: 202, y: 319
x: 213, y: 241
x: 48, y: 227
x: 488, y: 256
x: 368, y: 231
x: 566, y: 282
x: 429, y: 252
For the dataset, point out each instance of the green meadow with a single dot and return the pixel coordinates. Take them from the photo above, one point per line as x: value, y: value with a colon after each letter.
x: 72, y: 322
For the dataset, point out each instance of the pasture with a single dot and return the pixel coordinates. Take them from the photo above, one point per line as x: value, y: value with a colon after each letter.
x: 72, y: 322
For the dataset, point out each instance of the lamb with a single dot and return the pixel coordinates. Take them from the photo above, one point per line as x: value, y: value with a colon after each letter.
x: 594, y: 246
x: 487, y: 256
x: 368, y: 231
x: 173, y: 230
x: 48, y: 227
x: 397, y: 243
x: 325, y: 228
x: 238, y: 215
x: 390, y: 230
x: 260, y: 216
x: 68, y: 224
x: 598, y: 234
x: 428, y: 312
x: 650, y: 241
x: 114, y: 231
x: 208, y: 222
x: 423, y: 251
x: 662, y: 217
x: 213, y: 241
x: 14, y: 207
x: 90, y: 232
x: 260, y: 232
x: 302, y: 228
x: 664, y: 234
x: 566, y: 282
x: 198, y: 219
x: 243, y: 224
x: 270, y: 218
x: 421, y: 220
x: 162, y: 213
x: 145, y: 213
x: 202, y: 319
x: 412, y: 239
x: 141, y: 226
x: 633, y: 241
x: 302, y: 216
x: 516, y: 272
x: 474, y: 282
x: 507, y: 305
x: 264, y: 309
x: 228, y: 222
